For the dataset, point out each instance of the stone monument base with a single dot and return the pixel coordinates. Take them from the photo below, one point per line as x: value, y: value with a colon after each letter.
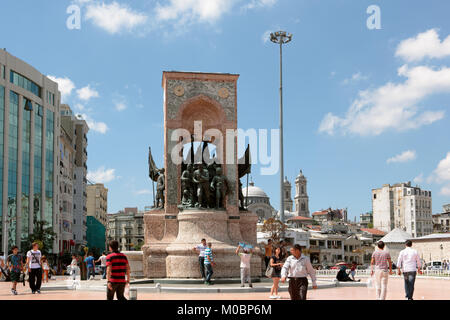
x: 174, y: 258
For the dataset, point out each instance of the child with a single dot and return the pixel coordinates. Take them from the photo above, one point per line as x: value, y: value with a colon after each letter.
x: 15, y: 265
x: 45, y: 268
x: 245, y: 265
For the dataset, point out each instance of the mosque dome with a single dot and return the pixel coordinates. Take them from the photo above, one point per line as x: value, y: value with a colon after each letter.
x: 254, y: 192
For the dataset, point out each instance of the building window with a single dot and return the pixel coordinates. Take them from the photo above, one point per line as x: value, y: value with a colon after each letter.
x: 3, y: 71
x: 25, y: 83
x: 374, y: 195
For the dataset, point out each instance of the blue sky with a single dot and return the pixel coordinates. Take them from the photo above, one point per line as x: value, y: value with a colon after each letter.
x: 354, y: 97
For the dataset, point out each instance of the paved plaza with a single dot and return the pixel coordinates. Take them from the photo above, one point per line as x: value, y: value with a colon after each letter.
x: 426, y: 289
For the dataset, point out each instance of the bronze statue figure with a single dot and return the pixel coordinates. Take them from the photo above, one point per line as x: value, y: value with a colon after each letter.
x: 187, y: 187
x: 241, y: 197
x: 219, y: 184
x: 201, y: 178
x: 160, y: 188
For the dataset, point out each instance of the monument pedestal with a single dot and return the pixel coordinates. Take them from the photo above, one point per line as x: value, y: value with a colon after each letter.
x: 175, y: 259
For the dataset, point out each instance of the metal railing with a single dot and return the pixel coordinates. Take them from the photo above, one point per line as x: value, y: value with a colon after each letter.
x: 366, y: 272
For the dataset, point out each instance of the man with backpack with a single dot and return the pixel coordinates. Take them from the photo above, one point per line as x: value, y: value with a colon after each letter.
x: 34, y: 268
x: 15, y: 265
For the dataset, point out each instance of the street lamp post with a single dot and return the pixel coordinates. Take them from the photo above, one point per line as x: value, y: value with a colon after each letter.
x: 281, y: 37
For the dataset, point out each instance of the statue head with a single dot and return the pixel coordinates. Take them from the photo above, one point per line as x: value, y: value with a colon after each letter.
x: 218, y: 170
x: 162, y: 170
x: 190, y: 167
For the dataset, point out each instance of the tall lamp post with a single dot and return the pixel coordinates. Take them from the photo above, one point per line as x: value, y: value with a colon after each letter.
x: 280, y: 38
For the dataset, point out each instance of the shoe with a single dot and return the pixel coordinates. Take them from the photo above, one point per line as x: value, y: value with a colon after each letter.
x: 12, y: 291
x: 250, y: 286
x: 278, y: 297
x: 38, y: 291
x: 33, y: 292
x: 15, y: 293
x: 206, y: 282
x: 272, y: 297
x: 242, y: 286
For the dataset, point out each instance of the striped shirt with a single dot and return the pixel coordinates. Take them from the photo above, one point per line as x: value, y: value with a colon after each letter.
x: 381, y: 258
x: 208, y: 256
x: 118, y: 262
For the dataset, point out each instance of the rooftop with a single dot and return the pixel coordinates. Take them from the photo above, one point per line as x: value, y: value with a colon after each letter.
x: 396, y: 236
x: 374, y: 231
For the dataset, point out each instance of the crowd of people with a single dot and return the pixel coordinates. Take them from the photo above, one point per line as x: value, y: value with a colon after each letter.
x: 280, y: 266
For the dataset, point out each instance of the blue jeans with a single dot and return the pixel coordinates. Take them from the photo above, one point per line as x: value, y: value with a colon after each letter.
x: 103, y: 272
x: 201, y: 262
x: 410, y: 279
x: 209, y: 271
x: 90, y: 272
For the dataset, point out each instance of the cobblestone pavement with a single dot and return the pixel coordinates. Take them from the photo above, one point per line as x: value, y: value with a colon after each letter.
x: 426, y: 289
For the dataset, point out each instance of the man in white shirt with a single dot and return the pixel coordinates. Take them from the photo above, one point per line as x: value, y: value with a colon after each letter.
x: 296, y: 268
x: 246, y: 275
x: 409, y: 263
x: 34, y: 268
x: 201, y: 257
x: 102, y: 261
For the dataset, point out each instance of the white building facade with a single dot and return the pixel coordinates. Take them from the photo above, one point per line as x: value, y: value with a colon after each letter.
x: 402, y: 206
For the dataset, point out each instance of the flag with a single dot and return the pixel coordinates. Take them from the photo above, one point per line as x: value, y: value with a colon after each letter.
x: 153, y: 171
x: 244, y: 163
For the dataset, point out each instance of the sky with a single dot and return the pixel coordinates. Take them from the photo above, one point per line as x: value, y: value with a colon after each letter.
x: 365, y: 103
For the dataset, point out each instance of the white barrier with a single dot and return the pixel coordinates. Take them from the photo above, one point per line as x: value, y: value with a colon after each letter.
x: 366, y: 272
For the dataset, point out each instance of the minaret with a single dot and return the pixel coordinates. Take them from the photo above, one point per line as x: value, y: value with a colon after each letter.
x: 301, y: 196
x: 288, y: 203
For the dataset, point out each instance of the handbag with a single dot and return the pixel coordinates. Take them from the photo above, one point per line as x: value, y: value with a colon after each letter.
x: 269, y: 271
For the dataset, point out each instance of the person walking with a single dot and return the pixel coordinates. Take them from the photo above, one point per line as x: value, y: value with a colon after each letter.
x: 246, y: 256
x: 297, y: 267
x: 209, y: 264
x: 45, y: 269
x: 117, y: 272
x: 276, y: 263
x: 201, y: 257
x: 381, y: 266
x: 102, y: 261
x: 74, y: 267
x: 409, y: 262
x: 15, y: 265
x: 268, y: 248
x: 90, y: 264
x: 34, y: 268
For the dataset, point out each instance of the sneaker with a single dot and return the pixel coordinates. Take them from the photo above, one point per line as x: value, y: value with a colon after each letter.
x: 15, y: 293
x: 242, y: 286
x: 278, y: 297
x: 33, y: 292
x: 250, y: 286
x: 272, y: 297
x: 206, y: 282
x: 38, y: 291
x: 12, y: 291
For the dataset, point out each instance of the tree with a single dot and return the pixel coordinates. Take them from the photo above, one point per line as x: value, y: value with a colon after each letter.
x: 275, y: 228
x: 42, y: 234
x: 370, y: 225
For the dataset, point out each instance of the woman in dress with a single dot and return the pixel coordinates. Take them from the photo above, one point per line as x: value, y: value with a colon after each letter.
x: 45, y: 268
x: 276, y: 264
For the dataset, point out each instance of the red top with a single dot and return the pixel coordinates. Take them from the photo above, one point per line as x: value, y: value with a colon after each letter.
x: 118, y: 263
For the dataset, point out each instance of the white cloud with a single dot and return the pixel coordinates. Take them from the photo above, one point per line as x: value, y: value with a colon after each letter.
x: 79, y: 106
x: 424, y: 45
x: 259, y: 4
x: 143, y: 192
x: 418, y: 179
x: 445, y: 191
x: 101, y: 175
x: 266, y: 36
x: 192, y: 11
x: 114, y: 17
x: 403, y: 157
x: 393, y: 105
x: 355, y: 78
x: 99, y: 127
x: 65, y: 86
x: 442, y: 172
x: 120, y: 106
x: 87, y: 93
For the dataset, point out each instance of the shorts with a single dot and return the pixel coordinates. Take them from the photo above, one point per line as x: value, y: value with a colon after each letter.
x: 15, y: 276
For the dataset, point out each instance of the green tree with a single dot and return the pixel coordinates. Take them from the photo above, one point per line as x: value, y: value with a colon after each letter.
x: 370, y: 225
x: 43, y: 234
